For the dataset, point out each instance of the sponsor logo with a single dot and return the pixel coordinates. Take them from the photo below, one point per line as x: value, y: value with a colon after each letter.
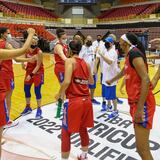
x: 80, y: 81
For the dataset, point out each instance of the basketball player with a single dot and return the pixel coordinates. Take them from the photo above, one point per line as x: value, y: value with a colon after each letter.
x: 4, y: 55
x: 139, y: 90
x: 34, y: 74
x: 88, y: 53
x: 78, y: 115
x: 7, y: 69
x: 60, y: 54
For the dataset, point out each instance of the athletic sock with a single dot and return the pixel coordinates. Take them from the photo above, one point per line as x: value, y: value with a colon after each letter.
x: 84, y: 154
x: 64, y: 159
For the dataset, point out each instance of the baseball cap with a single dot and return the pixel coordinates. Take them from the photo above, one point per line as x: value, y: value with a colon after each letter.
x: 109, y: 39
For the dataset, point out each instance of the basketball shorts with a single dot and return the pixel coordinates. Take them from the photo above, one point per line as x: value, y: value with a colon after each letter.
x: 109, y: 92
x: 4, y: 117
x: 148, y: 115
x: 37, y: 79
x: 77, y: 114
x: 9, y: 84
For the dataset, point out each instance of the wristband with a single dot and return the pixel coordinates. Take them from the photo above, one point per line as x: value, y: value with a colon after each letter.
x: 32, y: 74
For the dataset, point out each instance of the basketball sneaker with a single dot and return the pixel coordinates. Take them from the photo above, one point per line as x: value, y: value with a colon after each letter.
x: 10, y: 124
x: 39, y: 113
x: 94, y: 101
x: 26, y: 111
x: 81, y: 158
x: 104, y: 104
x: 119, y: 101
x: 114, y: 114
x: 106, y: 108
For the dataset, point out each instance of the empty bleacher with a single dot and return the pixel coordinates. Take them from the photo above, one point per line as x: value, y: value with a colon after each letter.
x: 129, y: 12
x: 18, y: 29
x: 26, y: 11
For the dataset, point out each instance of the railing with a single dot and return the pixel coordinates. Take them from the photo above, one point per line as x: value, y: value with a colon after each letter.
x: 79, y: 22
x: 130, y: 18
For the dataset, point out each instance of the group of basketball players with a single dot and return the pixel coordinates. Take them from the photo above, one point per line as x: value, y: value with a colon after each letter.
x: 34, y: 72
x: 76, y: 70
x: 5, y: 54
x: 76, y: 74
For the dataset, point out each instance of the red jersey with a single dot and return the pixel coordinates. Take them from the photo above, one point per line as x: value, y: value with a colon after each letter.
x: 2, y: 88
x: 31, y: 65
x: 2, y: 84
x: 133, y: 82
x: 59, y: 61
x: 6, y: 65
x: 79, y: 82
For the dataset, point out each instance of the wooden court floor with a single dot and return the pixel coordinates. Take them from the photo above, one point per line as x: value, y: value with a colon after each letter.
x: 51, y: 87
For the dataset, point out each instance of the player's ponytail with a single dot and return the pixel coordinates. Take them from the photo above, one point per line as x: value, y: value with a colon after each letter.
x: 136, y: 42
x: 75, y: 47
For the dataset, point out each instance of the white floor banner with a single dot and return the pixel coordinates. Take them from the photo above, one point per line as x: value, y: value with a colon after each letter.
x: 110, y: 139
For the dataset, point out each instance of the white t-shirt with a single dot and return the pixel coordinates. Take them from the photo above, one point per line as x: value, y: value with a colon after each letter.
x: 97, y: 44
x: 110, y: 71
x: 88, y: 54
x: 101, y: 47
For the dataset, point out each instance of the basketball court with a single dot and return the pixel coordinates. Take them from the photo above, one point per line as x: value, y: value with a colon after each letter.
x: 34, y: 139
x: 110, y: 139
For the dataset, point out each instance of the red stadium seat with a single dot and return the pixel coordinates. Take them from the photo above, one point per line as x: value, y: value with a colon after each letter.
x: 26, y: 11
x: 17, y: 29
x: 130, y: 11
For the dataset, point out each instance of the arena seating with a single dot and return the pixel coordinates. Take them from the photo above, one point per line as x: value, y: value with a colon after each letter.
x: 18, y: 29
x: 129, y: 11
x: 6, y: 11
x: 27, y: 11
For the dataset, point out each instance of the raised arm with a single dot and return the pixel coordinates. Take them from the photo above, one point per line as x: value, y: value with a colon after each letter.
x: 22, y: 58
x: 11, y: 53
x: 59, y: 50
x: 105, y: 58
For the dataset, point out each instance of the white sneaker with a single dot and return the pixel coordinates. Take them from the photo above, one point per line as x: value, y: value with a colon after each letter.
x: 11, y: 124
x: 81, y: 158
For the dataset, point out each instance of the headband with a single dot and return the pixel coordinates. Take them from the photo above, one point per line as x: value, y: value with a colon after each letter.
x: 124, y: 37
